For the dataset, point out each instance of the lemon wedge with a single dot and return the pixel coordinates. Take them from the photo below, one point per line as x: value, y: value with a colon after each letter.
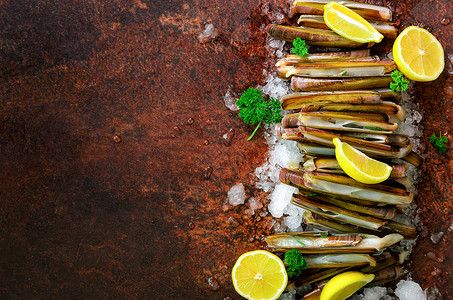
x: 418, y: 54
x: 344, y: 285
x: 359, y: 166
x: 259, y: 275
x: 349, y: 24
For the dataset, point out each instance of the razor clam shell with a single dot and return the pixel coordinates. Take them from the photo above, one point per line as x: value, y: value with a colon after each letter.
x: 383, y: 261
x: 338, y: 260
x: 290, y: 121
x: 338, y: 213
x: 292, y: 59
x: 297, y: 179
x: 316, y: 149
x: 346, y: 243
x: 325, y: 138
x: 316, y: 37
x: 414, y: 158
x: 386, y: 275
x: 299, y: 84
x: 390, y: 139
x: 317, y: 221
x: 291, y: 134
x: 394, y: 112
x: 382, y: 212
x: 341, y: 121
x: 367, y: 11
x: 403, y: 229
x: 297, y: 100
x: 342, y: 69
x: 344, y: 187
x: 310, y: 244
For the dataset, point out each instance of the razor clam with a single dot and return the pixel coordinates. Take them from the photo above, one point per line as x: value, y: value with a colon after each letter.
x: 338, y: 213
x: 344, y: 187
x: 345, y: 243
x: 383, y: 212
x: 339, y: 84
x: 312, y: 36
x: 325, y: 138
x: 386, y: 275
x: 317, y: 221
x: 338, y: 260
x: 403, y: 229
x: 292, y: 59
x: 331, y: 165
x: 289, y: 133
x: 414, y: 159
x: 367, y: 11
x: 296, y: 100
x: 284, y: 69
x: 344, y: 121
x: 316, y: 149
x: 290, y: 121
x: 383, y: 261
x: 390, y: 139
x: 343, y: 69
x: 387, y: 29
x: 394, y: 112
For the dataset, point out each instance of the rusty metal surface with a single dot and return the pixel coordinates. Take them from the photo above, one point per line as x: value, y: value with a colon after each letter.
x: 112, y: 119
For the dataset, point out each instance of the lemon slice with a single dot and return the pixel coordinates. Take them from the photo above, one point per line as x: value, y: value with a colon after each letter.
x: 359, y: 166
x: 344, y: 285
x: 259, y: 275
x: 418, y: 54
x: 349, y: 24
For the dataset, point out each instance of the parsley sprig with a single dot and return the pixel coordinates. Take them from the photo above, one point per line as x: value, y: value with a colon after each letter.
x: 299, y: 47
x: 254, y: 109
x: 400, y: 82
x: 439, y: 142
x: 296, y: 263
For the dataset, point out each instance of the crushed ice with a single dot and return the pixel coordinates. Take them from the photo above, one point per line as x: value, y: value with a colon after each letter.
x: 236, y: 194
x: 209, y: 33
x: 230, y: 100
x: 409, y: 290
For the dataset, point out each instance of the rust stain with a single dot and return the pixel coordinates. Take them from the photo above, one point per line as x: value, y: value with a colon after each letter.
x: 183, y: 22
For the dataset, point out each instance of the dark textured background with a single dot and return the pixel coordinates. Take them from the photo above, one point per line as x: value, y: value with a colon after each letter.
x: 82, y: 216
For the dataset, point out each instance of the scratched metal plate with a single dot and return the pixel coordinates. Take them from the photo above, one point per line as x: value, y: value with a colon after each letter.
x: 111, y: 113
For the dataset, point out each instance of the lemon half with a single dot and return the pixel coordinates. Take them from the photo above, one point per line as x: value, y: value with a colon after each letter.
x: 259, y: 275
x: 418, y: 54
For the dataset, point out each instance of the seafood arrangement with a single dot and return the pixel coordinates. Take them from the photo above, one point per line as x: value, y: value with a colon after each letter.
x: 343, y: 95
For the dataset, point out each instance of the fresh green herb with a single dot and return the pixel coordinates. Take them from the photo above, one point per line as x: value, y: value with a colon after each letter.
x: 344, y: 73
x: 324, y: 235
x: 375, y: 128
x: 400, y: 82
x: 439, y: 142
x: 311, y: 195
x: 254, y: 109
x: 299, y: 47
x: 296, y: 263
